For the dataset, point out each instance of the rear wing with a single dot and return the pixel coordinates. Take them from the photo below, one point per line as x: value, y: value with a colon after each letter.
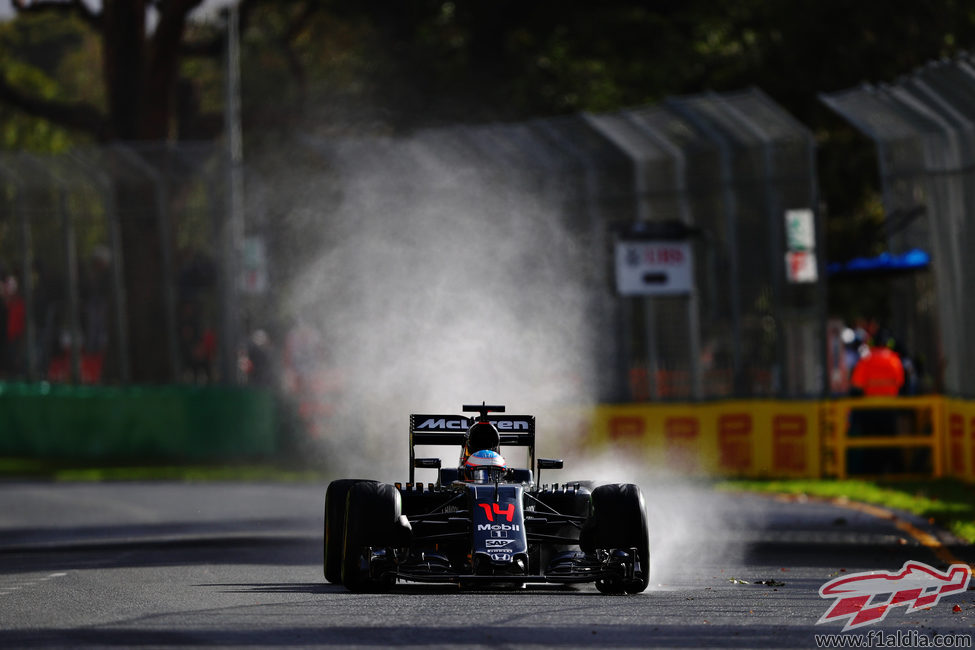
x: 515, y: 431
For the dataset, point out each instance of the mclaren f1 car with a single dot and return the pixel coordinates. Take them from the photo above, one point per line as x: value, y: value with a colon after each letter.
x: 484, y: 522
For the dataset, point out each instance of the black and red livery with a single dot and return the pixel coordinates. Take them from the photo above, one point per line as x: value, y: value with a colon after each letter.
x: 506, y: 531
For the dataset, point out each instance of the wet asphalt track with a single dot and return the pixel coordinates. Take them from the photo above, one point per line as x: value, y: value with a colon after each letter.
x: 239, y: 565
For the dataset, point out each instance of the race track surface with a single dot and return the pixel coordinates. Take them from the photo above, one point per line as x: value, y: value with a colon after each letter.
x: 239, y: 565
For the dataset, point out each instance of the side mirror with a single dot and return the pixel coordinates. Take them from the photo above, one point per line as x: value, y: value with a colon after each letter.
x: 426, y: 463
x: 550, y: 463
x: 547, y: 463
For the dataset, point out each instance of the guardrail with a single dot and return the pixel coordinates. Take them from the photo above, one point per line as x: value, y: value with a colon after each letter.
x: 894, y: 428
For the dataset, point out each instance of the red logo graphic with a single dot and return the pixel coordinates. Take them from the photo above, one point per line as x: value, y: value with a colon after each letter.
x: 789, y: 442
x: 682, y: 436
x: 866, y: 598
x: 734, y: 441
x: 956, y: 440
x: 508, y: 512
x: 626, y: 427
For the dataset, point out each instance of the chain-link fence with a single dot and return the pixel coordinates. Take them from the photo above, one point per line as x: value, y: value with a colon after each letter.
x: 715, y: 175
x: 924, y: 129
x: 81, y: 228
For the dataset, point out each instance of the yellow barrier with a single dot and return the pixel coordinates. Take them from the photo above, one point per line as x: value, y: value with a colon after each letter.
x: 960, y: 439
x: 734, y: 438
x: 779, y: 438
x: 896, y: 423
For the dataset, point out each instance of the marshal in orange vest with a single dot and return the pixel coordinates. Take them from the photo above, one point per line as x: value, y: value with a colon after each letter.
x: 879, y: 373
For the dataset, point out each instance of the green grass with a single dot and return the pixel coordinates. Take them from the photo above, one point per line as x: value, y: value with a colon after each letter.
x: 946, y: 502
x: 60, y: 470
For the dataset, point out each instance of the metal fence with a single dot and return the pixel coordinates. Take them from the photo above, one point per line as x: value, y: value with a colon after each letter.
x: 61, y: 230
x: 924, y: 129
x: 718, y: 172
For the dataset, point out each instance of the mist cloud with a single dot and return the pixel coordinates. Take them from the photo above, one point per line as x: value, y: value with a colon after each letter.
x: 443, y: 283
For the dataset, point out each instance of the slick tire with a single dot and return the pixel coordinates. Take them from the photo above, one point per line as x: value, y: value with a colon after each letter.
x: 372, y: 517
x: 618, y: 520
x: 335, y: 498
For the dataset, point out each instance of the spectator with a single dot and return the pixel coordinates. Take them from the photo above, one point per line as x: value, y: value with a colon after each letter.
x: 16, y: 325
x: 257, y: 363
x: 205, y: 353
x: 881, y: 373
x: 853, y: 347
x: 197, y: 345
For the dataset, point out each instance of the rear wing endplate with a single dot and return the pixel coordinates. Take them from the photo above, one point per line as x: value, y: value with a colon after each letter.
x: 515, y: 431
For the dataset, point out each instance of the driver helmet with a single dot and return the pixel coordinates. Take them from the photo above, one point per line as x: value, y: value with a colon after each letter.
x: 484, y: 466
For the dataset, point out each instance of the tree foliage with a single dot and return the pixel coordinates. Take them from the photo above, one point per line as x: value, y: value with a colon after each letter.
x: 316, y: 64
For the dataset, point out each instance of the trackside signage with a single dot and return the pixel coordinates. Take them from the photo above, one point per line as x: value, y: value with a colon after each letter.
x: 800, y: 256
x: 654, y: 268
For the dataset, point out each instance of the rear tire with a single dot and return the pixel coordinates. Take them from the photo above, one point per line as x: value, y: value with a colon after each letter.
x: 335, y: 498
x: 618, y: 520
x: 372, y: 514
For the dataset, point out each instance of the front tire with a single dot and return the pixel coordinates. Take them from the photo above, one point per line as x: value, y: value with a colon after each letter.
x: 372, y: 513
x: 335, y: 498
x: 618, y: 520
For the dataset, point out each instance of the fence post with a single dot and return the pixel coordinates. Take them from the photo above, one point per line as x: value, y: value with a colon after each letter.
x: 74, y: 298
x: 118, y: 269
x: 730, y: 205
x: 687, y: 218
x: 232, y: 231
x: 166, y: 243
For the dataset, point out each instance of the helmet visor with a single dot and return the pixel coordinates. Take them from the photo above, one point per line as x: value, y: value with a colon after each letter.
x: 485, y: 474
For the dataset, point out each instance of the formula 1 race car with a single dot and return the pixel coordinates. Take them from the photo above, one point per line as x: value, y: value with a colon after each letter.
x: 484, y: 523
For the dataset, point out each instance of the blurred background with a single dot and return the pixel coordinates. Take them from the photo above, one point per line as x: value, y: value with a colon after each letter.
x: 258, y: 227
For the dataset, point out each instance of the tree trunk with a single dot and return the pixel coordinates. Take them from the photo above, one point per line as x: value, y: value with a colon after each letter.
x: 124, y: 38
x: 149, y: 348
x: 141, y: 76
